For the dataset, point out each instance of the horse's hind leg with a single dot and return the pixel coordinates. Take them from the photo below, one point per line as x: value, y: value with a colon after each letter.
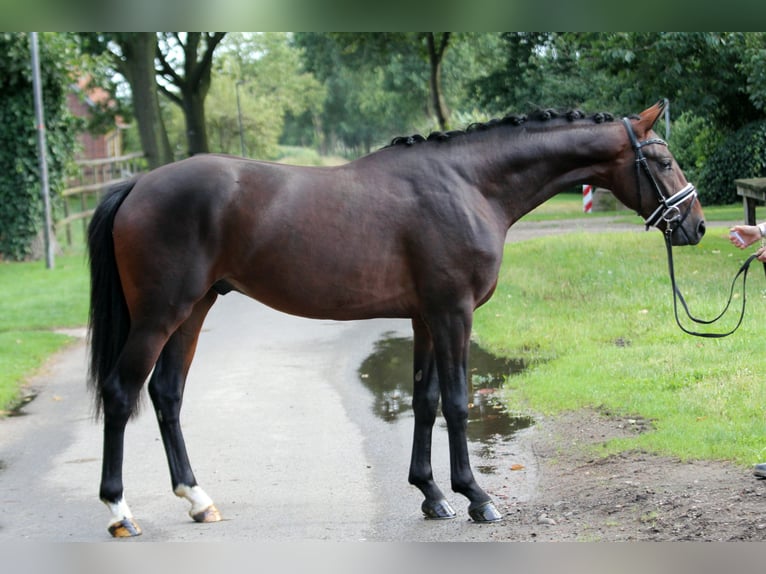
x: 425, y: 402
x: 166, y: 389
x: 120, y: 396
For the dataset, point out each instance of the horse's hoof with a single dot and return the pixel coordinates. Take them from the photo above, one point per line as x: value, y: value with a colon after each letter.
x: 438, y: 510
x: 210, y: 514
x: 126, y: 528
x: 484, y: 512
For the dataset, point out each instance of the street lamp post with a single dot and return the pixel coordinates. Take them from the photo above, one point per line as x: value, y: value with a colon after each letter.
x: 239, y: 119
x: 41, y: 146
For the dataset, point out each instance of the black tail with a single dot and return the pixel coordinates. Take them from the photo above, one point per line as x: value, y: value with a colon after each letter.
x: 109, y: 319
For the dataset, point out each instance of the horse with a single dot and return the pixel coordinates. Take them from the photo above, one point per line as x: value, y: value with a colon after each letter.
x: 413, y: 230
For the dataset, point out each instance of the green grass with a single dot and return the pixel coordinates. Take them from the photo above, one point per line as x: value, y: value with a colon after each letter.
x: 33, y: 302
x: 594, y: 316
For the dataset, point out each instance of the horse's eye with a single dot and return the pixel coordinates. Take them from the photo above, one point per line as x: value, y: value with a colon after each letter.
x: 666, y: 163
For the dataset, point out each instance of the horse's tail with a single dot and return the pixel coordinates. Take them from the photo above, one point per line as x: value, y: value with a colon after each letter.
x: 109, y: 320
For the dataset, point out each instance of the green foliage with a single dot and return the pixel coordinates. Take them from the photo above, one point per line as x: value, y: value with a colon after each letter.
x: 754, y: 66
x: 693, y: 139
x: 373, y: 91
x: 697, y: 71
x: 741, y: 155
x: 257, y: 78
x: 20, y: 204
x: 624, y: 72
x: 378, y: 85
x: 535, y: 69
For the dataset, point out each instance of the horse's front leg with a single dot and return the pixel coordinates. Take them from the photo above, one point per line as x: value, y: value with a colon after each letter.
x: 166, y: 389
x: 451, y: 336
x: 425, y: 402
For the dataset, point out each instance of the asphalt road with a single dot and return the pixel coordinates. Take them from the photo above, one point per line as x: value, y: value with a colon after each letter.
x: 280, y: 432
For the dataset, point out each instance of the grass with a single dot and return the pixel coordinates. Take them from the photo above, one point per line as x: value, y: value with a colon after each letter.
x: 593, y: 315
x: 34, y: 301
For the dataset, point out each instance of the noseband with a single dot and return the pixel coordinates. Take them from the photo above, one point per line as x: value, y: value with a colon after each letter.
x: 667, y: 210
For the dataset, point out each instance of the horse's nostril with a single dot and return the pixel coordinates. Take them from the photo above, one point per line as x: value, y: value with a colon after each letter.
x: 701, y: 228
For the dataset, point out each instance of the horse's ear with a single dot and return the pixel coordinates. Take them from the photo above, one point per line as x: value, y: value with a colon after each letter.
x: 650, y: 115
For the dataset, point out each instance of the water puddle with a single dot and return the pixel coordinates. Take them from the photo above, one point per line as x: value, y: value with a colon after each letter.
x: 387, y: 372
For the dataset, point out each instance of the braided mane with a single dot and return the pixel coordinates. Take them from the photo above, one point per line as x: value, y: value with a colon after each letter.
x: 539, y: 116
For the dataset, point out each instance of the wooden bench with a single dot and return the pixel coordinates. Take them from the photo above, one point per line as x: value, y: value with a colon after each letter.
x: 753, y: 192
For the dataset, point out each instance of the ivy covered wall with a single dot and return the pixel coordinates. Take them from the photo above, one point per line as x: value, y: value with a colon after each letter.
x: 21, y: 212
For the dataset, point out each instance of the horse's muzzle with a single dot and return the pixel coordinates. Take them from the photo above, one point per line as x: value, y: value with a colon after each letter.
x: 688, y: 233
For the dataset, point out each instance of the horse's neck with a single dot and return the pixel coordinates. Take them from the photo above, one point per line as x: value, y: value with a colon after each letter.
x: 529, y: 168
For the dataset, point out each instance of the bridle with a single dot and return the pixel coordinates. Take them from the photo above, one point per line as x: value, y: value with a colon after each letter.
x: 669, y: 211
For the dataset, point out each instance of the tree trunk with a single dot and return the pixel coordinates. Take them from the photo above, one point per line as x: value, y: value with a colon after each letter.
x: 194, y: 114
x: 137, y: 65
x: 435, y: 57
x: 193, y: 83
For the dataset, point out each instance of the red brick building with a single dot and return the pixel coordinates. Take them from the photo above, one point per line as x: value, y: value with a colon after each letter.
x: 81, y: 101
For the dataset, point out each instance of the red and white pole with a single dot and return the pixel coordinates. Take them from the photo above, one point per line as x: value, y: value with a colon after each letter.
x: 587, y: 198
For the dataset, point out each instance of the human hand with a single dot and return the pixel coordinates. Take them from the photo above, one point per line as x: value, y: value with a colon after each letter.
x: 744, y: 235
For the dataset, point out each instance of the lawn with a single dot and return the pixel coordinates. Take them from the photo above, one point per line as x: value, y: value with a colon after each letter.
x: 34, y: 302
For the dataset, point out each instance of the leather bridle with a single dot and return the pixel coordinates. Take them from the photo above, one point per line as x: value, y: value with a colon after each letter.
x: 668, y: 211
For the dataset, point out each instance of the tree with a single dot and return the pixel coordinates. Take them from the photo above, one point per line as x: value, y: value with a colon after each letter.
x: 187, y: 81
x: 178, y: 64
x: 381, y: 84
x: 700, y: 72
x: 371, y: 94
x: 437, y: 46
x: 258, y: 81
x: 133, y: 55
x: 20, y: 204
x: 534, y: 71
x: 381, y: 49
x: 753, y: 65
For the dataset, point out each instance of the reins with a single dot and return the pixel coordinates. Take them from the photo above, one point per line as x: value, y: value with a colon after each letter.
x: 669, y: 212
x: 677, y: 296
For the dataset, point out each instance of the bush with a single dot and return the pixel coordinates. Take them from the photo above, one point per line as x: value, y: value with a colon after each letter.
x: 741, y: 155
x: 693, y: 140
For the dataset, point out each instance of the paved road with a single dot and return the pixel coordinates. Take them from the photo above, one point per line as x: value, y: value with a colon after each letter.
x: 281, y: 435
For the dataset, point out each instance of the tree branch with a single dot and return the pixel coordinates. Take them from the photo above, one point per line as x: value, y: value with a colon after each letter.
x: 166, y: 70
x: 173, y: 97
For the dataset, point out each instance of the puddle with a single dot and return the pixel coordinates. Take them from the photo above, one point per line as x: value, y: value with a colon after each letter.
x: 388, y: 374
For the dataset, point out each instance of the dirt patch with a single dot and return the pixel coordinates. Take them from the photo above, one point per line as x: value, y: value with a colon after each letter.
x: 633, y: 496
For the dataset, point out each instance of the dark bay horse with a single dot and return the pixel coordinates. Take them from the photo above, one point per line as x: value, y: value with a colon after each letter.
x: 414, y: 230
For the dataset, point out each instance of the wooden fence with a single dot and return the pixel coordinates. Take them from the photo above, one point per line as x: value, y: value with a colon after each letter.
x: 95, y: 177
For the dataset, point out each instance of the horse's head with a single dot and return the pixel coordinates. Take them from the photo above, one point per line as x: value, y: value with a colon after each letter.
x: 654, y: 184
